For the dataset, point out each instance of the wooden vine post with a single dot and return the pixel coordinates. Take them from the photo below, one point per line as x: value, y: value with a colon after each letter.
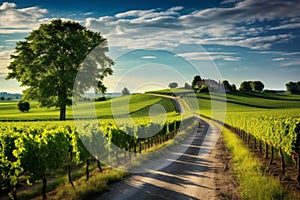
x: 282, y: 161
x: 267, y: 150
x: 298, y: 168
x: 272, y: 155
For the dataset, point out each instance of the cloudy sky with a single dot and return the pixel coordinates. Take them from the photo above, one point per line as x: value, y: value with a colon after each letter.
x: 158, y: 42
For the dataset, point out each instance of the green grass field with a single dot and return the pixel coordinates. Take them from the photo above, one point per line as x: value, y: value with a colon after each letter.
x: 136, y: 105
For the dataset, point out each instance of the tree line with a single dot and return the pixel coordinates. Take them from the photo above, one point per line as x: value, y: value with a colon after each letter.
x: 205, y: 85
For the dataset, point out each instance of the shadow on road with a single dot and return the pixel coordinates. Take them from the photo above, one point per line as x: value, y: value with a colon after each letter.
x: 184, y: 178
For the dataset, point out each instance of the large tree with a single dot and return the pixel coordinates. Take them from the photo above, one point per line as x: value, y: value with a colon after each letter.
x: 48, y: 60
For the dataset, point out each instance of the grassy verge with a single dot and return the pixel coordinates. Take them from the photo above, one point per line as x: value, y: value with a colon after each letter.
x: 254, y: 184
x: 97, y: 184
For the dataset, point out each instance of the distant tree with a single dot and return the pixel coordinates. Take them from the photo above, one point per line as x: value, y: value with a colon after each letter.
x: 173, y: 85
x: 2, y: 98
x: 226, y: 85
x: 125, y: 91
x: 203, y: 88
x: 246, y: 86
x: 187, y: 86
x: 257, y: 86
x: 23, y: 106
x: 49, y: 59
x: 293, y: 87
x: 194, y: 82
x: 233, y: 87
x: 103, y: 98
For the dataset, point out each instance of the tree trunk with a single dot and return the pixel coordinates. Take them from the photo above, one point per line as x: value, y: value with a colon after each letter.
x: 44, y: 191
x: 87, y: 172
x: 62, y: 113
x: 272, y: 155
x: 298, y: 169
x: 99, y: 165
x: 140, y: 149
x: 13, y: 193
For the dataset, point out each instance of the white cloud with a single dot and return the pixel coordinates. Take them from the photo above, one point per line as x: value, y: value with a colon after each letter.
x: 278, y: 59
x: 14, y: 20
x: 4, y: 61
x: 291, y: 62
x: 15, y: 30
x: 264, y: 42
x: 7, y: 5
x: 13, y: 40
x: 229, y: 1
x: 286, y: 26
x: 229, y: 26
x: 88, y: 13
x: 148, y: 57
x: 227, y: 56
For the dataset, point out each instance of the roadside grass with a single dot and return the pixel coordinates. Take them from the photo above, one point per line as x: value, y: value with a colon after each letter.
x: 59, y: 187
x: 97, y: 184
x: 254, y: 184
x: 55, y: 181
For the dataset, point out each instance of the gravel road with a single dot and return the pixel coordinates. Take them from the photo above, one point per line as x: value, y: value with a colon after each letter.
x: 190, y: 176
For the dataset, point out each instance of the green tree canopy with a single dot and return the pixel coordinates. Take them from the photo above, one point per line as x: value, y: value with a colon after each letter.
x: 23, y: 106
x: 246, y: 86
x: 226, y: 85
x: 293, y: 87
x: 195, y: 80
x: 48, y: 60
x: 125, y: 91
x: 257, y: 85
x: 173, y: 85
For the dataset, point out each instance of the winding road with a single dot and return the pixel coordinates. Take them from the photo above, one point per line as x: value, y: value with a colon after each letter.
x: 190, y: 176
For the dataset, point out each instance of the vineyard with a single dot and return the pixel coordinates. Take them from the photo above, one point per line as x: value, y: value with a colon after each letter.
x: 33, y: 148
x: 270, y: 122
x: 279, y: 130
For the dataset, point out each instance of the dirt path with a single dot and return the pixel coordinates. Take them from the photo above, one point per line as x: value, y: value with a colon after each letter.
x: 194, y: 175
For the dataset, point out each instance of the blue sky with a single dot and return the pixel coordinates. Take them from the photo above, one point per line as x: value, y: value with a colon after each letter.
x: 157, y: 42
